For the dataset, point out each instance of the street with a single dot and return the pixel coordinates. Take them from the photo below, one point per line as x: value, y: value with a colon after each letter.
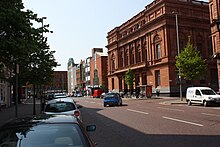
x: 151, y: 123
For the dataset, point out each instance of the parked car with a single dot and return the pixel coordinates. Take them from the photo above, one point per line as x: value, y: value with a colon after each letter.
x: 202, y: 95
x: 102, y: 95
x: 79, y: 95
x: 62, y: 106
x: 60, y: 95
x: 112, y: 99
x: 46, y: 131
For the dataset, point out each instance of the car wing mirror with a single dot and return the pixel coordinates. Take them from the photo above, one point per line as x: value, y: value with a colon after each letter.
x: 78, y: 106
x: 90, y: 128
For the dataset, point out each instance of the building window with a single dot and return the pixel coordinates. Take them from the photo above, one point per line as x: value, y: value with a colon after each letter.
x: 113, y: 84
x: 199, y: 48
x: 157, y: 43
x: 112, y: 63
x: 157, y: 51
x: 132, y: 55
x: 157, y: 78
x: 121, y: 59
x: 214, y: 44
x: 181, y: 45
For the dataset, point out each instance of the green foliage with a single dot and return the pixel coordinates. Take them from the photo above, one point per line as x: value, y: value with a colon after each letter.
x: 190, y: 63
x: 129, y: 78
x: 21, y: 43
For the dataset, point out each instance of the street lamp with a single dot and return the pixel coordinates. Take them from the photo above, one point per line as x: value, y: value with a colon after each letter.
x: 178, y: 50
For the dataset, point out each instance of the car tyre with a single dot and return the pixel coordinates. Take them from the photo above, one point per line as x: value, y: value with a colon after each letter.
x: 205, y: 103
x: 188, y: 102
x: 104, y: 105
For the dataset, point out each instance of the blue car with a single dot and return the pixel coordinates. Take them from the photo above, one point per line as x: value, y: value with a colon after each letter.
x: 112, y: 99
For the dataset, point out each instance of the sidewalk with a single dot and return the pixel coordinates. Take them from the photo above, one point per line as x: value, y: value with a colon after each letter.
x: 23, y: 109
x: 166, y: 100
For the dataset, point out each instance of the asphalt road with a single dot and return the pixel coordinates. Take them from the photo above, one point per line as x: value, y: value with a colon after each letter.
x: 151, y: 122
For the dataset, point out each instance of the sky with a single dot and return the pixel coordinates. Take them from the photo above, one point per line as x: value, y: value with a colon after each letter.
x: 80, y: 25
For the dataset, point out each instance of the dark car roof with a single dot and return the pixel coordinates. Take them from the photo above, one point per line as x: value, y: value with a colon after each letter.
x: 38, y: 119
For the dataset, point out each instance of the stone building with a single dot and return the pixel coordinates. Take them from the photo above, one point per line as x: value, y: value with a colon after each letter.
x: 147, y: 44
x: 71, y: 67
x: 214, y: 7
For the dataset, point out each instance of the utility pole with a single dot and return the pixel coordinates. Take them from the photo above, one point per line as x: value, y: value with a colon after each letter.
x: 178, y: 52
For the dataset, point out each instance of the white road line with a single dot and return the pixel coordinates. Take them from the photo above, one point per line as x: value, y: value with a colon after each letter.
x: 171, y: 109
x: 92, y: 102
x: 183, y: 121
x: 137, y: 111
x: 211, y: 114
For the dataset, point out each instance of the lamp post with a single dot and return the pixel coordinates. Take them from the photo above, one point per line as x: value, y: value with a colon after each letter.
x: 178, y: 51
x: 16, y: 88
x: 42, y: 100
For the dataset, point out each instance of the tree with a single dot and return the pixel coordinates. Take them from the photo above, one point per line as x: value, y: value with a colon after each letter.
x: 190, y: 63
x: 23, y: 44
x: 129, y: 78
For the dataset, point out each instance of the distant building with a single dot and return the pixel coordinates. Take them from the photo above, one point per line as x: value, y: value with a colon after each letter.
x: 82, y: 67
x: 98, y: 68
x: 72, y: 67
x: 78, y: 81
x: 59, y: 82
x: 147, y: 44
x: 87, y: 73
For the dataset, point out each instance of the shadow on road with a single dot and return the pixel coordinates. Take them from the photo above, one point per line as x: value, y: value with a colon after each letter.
x: 111, y: 133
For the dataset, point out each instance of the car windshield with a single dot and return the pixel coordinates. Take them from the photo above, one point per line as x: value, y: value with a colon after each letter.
x: 44, y: 135
x: 208, y: 92
x: 61, y: 95
x: 60, y: 107
x: 111, y: 95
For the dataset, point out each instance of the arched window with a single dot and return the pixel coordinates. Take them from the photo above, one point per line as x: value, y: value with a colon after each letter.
x: 139, y: 55
x: 126, y: 57
x: 157, y: 47
x: 112, y: 63
x: 121, y: 59
x: 132, y: 55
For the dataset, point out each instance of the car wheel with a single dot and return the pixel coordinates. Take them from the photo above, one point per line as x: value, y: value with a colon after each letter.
x: 189, y: 102
x: 205, y: 103
x: 104, y: 105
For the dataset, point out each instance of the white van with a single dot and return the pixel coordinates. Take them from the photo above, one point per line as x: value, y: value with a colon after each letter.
x: 201, y: 95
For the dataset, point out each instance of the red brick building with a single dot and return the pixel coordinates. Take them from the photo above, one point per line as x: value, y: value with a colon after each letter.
x: 59, y: 82
x: 98, y: 68
x: 147, y: 44
x: 215, y: 28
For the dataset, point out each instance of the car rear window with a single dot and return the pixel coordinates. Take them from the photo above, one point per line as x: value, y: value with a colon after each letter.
x: 60, y: 107
x: 111, y: 95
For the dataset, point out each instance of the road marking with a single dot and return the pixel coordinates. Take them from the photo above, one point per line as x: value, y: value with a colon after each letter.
x: 92, y: 102
x: 211, y: 114
x: 170, y: 109
x: 137, y: 111
x: 183, y: 121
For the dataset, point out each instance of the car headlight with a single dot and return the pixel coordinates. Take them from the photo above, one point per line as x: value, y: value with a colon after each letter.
x: 210, y: 98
